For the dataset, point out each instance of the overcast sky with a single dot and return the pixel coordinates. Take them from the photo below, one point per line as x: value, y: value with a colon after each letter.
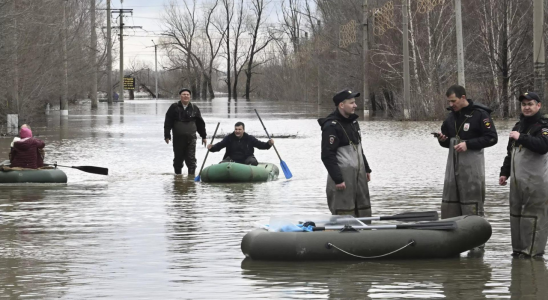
x: 138, y: 43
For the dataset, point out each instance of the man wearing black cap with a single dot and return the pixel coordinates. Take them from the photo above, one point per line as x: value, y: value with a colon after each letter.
x: 184, y: 118
x: 527, y: 163
x: 342, y: 154
x: 466, y: 131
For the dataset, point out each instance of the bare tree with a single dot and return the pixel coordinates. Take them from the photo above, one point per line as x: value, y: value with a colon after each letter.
x: 256, y: 45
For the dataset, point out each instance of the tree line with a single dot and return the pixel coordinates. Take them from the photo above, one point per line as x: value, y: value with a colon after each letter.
x: 277, y: 50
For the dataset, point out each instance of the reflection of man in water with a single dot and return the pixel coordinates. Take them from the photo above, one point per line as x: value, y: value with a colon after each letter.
x: 526, y: 163
x: 184, y: 119
x: 529, y: 279
x: 240, y: 146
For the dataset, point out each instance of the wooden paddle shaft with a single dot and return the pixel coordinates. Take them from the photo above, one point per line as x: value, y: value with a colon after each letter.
x: 268, y: 135
x: 207, y: 153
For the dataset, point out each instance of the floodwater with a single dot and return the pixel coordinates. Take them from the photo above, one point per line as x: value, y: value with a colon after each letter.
x: 144, y: 233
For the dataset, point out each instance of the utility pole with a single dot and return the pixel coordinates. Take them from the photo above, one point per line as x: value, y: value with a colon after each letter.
x: 121, y: 95
x: 406, y: 88
x: 64, y: 98
x: 538, y: 47
x: 460, y: 46
x: 156, y: 67
x: 93, y: 57
x: 16, y: 64
x: 109, y: 56
x: 318, y: 62
x: 366, y: 102
x: 121, y: 28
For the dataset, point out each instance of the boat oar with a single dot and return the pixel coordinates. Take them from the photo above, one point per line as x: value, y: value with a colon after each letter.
x: 198, y: 178
x: 407, y: 216
x: 88, y: 169
x: 446, y: 225
x: 403, y: 217
x: 287, y: 173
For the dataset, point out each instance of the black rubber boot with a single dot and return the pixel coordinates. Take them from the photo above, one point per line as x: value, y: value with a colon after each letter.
x: 178, y: 171
x: 191, y: 171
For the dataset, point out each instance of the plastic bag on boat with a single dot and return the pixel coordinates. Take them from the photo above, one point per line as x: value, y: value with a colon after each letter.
x: 287, y: 224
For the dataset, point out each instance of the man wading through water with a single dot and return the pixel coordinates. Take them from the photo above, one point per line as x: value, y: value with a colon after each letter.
x: 466, y: 131
x: 527, y: 165
x: 184, y: 118
x: 342, y: 154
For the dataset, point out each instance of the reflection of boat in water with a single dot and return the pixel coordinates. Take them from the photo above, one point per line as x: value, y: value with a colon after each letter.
x: 455, y: 278
x: 17, y: 175
x: 471, y: 232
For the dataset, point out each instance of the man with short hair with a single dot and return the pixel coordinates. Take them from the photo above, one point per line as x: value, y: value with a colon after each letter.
x: 342, y: 154
x: 184, y: 119
x: 240, y: 146
x: 527, y: 163
x: 466, y: 131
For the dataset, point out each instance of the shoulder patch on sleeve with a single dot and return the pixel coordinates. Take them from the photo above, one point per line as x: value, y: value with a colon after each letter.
x: 332, y: 139
x: 544, y: 131
x: 487, y: 123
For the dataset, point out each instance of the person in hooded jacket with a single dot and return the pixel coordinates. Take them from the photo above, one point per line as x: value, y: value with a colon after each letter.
x: 526, y: 163
x: 25, y: 151
x: 184, y: 119
x: 240, y: 146
x: 466, y: 131
x: 342, y: 155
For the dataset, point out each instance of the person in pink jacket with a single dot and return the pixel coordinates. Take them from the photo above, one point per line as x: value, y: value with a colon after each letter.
x: 25, y: 151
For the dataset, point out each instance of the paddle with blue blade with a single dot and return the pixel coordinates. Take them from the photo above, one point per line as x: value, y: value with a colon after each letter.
x: 198, y: 178
x: 285, y: 169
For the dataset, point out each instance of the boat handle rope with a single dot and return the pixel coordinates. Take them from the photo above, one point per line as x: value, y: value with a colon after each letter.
x: 412, y: 242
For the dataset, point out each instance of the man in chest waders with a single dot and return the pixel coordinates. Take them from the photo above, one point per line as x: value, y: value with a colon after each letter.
x: 184, y: 119
x: 342, y: 155
x: 527, y: 167
x: 466, y: 131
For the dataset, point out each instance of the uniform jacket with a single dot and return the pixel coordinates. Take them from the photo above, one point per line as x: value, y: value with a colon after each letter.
x: 333, y: 137
x: 472, y: 124
x: 533, y: 136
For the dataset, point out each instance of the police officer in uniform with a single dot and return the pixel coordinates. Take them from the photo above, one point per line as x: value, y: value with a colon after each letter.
x: 466, y: 131
x: 342, y: 154
x: 184, y: 119
x: 527, y: 166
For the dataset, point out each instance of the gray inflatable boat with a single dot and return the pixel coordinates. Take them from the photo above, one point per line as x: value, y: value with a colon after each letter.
x: 470, y: 232
x: 31, y: 175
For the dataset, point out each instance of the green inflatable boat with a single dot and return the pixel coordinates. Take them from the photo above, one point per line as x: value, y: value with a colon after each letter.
x: 470, y: 232
x: 234, y: 172
x: 8, y: 175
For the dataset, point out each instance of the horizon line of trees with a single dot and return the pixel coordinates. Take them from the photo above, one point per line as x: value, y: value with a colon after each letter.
x: 305, y: 51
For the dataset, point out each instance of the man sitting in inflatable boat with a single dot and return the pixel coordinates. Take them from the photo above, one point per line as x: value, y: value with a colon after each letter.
x: 240, y: 146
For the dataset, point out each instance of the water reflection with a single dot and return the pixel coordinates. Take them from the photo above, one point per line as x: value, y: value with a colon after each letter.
x: 529, y: 279
x: 451, y: 279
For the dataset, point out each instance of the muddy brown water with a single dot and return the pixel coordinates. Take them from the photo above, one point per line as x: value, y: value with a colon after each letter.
x: 143, y: 233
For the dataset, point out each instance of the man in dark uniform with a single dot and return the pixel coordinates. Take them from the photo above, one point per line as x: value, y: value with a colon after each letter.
x: 527, y: 163
x: 240, y: 146
x: 466, y: 131
x: 342, y: 154
x: 184, y: 118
